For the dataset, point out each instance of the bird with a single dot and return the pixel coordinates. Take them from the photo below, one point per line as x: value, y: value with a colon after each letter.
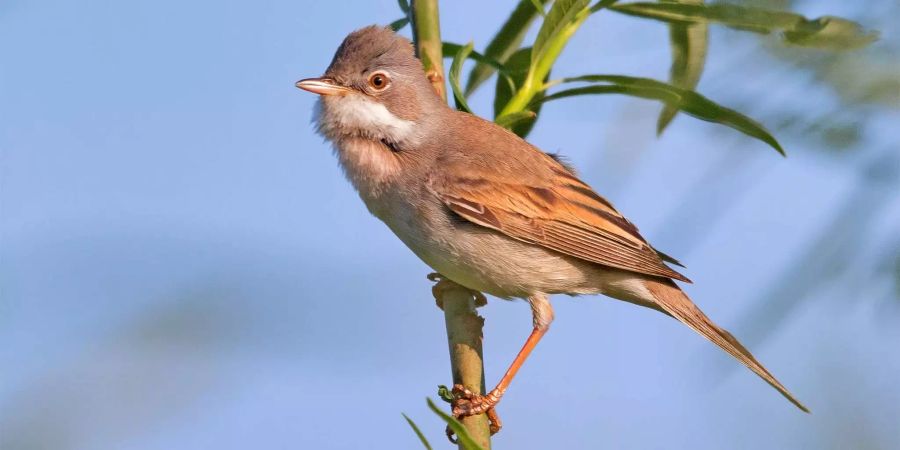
x: 483, y: 207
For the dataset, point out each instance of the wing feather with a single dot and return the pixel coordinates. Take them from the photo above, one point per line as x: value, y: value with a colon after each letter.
x: 561, y: 213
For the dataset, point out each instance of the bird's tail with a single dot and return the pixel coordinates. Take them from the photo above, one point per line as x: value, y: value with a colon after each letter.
x: 676, y: 303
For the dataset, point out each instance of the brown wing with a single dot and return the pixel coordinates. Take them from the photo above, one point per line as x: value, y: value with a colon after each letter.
x: 558, y: 212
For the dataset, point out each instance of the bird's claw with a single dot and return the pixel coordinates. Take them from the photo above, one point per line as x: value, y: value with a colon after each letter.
x: 451, y: 436
x: 494, y: 421
x: 467, y: 403
x: 480, y: 299
x: 443, y: 284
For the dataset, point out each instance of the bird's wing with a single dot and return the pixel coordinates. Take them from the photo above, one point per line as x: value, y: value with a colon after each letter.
x: 558, y: 212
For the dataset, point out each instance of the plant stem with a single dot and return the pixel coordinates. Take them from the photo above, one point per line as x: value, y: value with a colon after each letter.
x: 464, y: 338
x: 426, y: 28
x: 464, y: 325
x: 534, y: 81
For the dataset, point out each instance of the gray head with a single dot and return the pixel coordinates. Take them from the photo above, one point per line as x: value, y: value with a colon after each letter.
x: 375, y: 88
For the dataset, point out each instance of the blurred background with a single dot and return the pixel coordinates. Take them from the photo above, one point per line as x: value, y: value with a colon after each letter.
x: 183, y: 265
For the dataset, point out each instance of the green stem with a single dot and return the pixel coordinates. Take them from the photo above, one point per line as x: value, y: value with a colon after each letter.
x: 427, y: 35
x: 464, y: 339
x: 534, y: 81
x: 464, y: 325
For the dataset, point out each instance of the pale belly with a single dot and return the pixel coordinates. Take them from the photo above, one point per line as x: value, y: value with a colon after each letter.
x: 483, y: 259
x: 471, y: 255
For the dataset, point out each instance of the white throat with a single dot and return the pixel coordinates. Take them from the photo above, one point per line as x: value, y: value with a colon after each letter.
x: 360, y: 116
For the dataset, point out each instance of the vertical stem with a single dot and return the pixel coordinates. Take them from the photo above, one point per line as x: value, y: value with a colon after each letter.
x: 427, y: 35
x: 464, y: 338
x: 464, y: 325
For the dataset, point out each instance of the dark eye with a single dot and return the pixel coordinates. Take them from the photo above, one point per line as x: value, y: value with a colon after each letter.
x: 379, y: 80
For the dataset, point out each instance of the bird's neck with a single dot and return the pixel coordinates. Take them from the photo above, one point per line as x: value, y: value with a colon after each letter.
x: 371, y: 166
x: 376, y: 148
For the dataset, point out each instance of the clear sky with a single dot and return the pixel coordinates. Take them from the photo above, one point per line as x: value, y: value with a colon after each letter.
x: 182, y: 264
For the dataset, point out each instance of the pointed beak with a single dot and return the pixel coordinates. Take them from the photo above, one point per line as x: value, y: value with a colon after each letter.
x: 322, y: 86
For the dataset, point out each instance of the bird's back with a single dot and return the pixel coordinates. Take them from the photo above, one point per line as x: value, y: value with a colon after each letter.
x: 474, y: 141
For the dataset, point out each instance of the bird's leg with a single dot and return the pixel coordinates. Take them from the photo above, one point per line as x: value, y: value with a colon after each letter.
x: 468, y: 403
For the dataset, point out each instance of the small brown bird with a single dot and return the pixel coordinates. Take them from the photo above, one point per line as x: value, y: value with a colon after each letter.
x: 483, y: 207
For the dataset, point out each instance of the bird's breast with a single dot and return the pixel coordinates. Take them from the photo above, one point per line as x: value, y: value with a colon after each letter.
x: 370, y: 166
x: 471, y: 255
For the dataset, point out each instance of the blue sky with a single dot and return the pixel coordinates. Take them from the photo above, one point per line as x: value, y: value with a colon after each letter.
x: 182, y: 264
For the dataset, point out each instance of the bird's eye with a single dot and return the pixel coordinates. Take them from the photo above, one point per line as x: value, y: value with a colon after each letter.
x: 379, y: 81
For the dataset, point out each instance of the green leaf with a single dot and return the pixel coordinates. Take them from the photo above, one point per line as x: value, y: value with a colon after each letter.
x: 445, y: 394
x: 563, y: 20
x: 826, y: 32
x: 458, y: 95
x: 602, y: 4
x: 404, y: 6
x: 398, y: 24
x: 562, y: 13
x: 418, y: 432
x: 689, y: 44
x: 452, y: 48
x: 830, y: 33
x: 685, y: 100
x: 539, y: 6
x: 510, y: 120
x: 504, y: 43
x: 517, y: 68
x: 461, y: 433
x: 742, y: 17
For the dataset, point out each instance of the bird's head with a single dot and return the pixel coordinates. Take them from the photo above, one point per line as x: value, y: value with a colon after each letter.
x: 375, y: 88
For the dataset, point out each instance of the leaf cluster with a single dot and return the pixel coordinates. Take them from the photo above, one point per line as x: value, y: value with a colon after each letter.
x: 523, y: 82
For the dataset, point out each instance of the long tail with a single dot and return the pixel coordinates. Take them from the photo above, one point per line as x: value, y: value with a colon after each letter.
x: 676, y: 303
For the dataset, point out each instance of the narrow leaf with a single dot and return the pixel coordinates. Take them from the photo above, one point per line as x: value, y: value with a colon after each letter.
x: 510, y: 120
x: 517, y: 69
x: 504, y: 43
x: 539, y: 6
x: 459, y: 96
x: 685, y: 100
x: 398, y: 24
x: 830, y: 33
x: 461, y: 433
x: 689, y: 44
x: 418, y: 432
x: 561, y: 14
x: 826, y: 32
x: 747, y: 18
x: 451, y: 48
x: 601, y: 5
x: 404, y: 6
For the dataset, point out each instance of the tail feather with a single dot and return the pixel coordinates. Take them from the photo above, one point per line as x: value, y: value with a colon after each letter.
x: 677, y: 304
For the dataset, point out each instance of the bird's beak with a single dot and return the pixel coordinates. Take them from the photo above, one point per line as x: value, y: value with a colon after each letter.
x: 322, y: 86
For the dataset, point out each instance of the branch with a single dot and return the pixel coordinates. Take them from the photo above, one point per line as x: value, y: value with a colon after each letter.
x: 464, y: 325
x: 464, y: 338
x: 427, y: 36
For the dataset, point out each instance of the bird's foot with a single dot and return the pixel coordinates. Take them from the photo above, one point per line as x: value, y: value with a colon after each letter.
x: 467, y: 403
x: 443, y: 284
